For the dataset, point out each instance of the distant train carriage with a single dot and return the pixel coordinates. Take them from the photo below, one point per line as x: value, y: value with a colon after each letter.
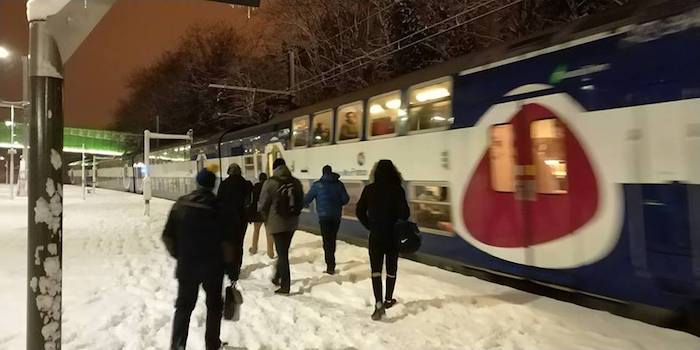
x: 572, y: 160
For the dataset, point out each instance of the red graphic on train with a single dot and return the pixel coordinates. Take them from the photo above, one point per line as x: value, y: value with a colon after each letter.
x: 533, y: 185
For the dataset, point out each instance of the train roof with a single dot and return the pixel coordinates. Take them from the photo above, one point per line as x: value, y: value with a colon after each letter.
x: 638, y: 12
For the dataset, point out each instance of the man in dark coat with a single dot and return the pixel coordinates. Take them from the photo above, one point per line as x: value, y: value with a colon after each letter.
x: 235, y: 194
x: 194, y: 237
x: 330, y: 195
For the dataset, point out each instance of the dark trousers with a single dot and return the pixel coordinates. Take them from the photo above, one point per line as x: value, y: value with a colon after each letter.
x: 383, y: 249
x: 282, y: 242
x: 186, y: 300
x: 329, y: 231
x: 238, y: 238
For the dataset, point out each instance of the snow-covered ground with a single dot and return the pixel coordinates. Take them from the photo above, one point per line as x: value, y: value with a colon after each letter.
x: 119, y: 291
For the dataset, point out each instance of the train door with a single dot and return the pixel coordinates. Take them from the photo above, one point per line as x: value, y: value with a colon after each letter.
x: 272, y: 154
x: 534, y: 188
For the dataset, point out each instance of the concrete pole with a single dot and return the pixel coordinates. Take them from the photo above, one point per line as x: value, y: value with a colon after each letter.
x: 94, y: 173
x: 45, y: 209
x: 12, y: 152
x: 82, y: 174
x: 147, y: 167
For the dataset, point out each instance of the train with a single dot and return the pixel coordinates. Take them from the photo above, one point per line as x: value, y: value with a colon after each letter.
x: 570, y: 158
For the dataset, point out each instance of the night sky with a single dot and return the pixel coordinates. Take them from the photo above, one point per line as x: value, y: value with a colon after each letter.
x: 132, y: 35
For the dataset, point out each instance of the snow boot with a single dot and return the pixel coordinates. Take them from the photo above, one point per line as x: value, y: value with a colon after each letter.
x: 389, y: 303
x: 379, y: 311
x: 282, y: 291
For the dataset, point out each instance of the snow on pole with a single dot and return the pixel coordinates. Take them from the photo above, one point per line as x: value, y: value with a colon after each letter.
x: 45, y: 196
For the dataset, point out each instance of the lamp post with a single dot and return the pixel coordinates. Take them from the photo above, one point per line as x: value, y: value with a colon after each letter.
x: 12, y: 152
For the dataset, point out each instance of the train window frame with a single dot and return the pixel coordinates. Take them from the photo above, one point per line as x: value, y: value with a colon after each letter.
x: 409, y: 92
x: 562, y: 141
x: 293, y: 137
x: 399, y: 113
x: 363, y: 184
x: 515, y: 154
x: 448, y: 202
x: 338, y: 124
x: 312, y: 127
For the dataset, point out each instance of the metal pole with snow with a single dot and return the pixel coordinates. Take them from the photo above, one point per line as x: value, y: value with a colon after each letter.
x: 45, y: 188
x: 82, y: 173
x: 94, y: 173
x: 56, y: 29
x: 147, y: 136
x: 12, y: 152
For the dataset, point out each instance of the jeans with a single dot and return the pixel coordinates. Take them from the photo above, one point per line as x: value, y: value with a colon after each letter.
x: 383, y: 247
x: 329, y: 231
x: 282, y: 242
x: 187, y: 298
x: 238, y: 238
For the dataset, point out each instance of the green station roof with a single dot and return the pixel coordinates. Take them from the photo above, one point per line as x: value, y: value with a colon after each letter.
x: 93, y: 141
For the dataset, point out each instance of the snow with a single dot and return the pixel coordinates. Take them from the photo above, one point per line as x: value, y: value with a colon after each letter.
x: 41, y: 9
x: 118, y: 293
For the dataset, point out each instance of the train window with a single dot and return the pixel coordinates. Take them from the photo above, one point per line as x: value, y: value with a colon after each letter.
x: 383, y: 111
x: 300, y: 132
x: 249, y: 167
x: 430, y: 206
x: 323, y: 126
x: 349, y: 121
x: 430, y: 105
x: 306, y: 186
x: 502, y: 158
x: 549, y: 155
x: 354, y: 189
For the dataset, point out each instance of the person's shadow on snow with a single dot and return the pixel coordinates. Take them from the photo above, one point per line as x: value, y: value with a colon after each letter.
x: 477, y: 301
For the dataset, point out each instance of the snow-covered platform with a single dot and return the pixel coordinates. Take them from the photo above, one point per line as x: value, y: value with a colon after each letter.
x: 119, y: 290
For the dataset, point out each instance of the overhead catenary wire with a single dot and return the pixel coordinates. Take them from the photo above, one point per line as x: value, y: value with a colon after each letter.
x: 305, y: 84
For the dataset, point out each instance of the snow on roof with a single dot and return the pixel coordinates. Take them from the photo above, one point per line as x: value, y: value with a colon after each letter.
x: 41, y: 9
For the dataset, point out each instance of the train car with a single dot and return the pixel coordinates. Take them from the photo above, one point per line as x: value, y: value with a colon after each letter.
x: 571, y: 158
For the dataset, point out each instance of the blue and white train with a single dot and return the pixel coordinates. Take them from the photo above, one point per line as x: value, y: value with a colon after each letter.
x: 571, y: 158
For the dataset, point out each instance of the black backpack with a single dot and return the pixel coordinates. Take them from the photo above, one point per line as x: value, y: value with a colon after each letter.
x: 408, y: 236
x: 289, y: 197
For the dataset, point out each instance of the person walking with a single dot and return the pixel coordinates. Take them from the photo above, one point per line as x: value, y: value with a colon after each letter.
x: 258, y: 220
x: 194, y: 237
x: 330, y: 195
x: 234, y: 196
x: 281, y: 200
x: 382, y: 204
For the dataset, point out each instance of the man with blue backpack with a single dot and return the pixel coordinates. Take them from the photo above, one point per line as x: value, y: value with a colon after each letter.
x: 330, y: 195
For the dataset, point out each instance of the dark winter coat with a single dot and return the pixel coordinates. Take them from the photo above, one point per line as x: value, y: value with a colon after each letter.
x: 234, y: 197
x: 330, y: 196
x: 255, y: 215
x: 380, y: 207
x: 193, y: 235
x: 267, y: 206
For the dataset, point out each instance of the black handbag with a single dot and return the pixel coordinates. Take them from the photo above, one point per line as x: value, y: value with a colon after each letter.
x: 408, y: 235
x: 232, y: 304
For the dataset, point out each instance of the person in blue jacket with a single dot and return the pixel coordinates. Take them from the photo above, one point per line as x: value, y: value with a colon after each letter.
x: 330, y: 195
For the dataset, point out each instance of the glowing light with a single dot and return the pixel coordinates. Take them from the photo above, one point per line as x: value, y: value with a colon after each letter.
x: 588, y: 87
x: 432, y: 94
x: 376, y: 109
x: 4, y: 53
x: 8, y: 123
x: 552, y: 162
x: 438, y: 118
x: 402, y: 113
x: 393, y: 104
x: 317, y: 137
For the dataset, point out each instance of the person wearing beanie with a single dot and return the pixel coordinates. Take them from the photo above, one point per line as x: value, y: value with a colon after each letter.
x: 330, y: 196
x: 280, y: 203
x: 235, y: 195
x: 194, y: 237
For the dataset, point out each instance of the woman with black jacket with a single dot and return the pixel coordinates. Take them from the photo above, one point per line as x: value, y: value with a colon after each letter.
x: 381, y: 205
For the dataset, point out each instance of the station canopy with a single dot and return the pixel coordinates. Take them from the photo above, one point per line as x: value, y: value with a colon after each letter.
x: 94, y: 141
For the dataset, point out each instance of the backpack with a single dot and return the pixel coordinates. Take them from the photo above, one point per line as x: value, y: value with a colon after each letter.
x: 289, y: 198
x: 408, y: 236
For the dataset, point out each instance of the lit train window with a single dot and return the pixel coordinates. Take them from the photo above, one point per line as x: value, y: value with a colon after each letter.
x: 383, y: 111
x: 549, y: 155
x: 306, y: 186
x: 300, y: 132
x: 430, y: 206
x: 430, y: 105
x: 354, y: 189
x: 502, y: 158
x: 349, y: 121
x: 323, y: 127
